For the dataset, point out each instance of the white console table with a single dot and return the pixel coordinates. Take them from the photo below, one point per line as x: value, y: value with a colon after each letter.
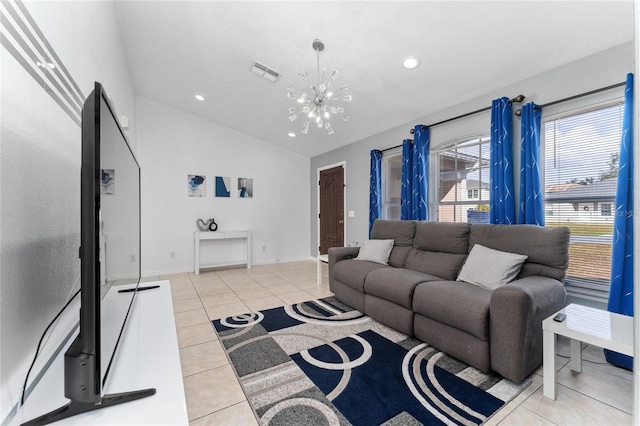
x: 147, y: 357
x: 221, y: 236
x: 583, y: 324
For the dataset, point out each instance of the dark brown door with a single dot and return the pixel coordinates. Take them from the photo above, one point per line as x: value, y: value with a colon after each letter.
x: 331, y: 208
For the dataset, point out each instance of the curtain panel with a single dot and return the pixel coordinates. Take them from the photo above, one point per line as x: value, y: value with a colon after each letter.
x: 406, y: 179
x: 415, y: 171
x: 501, y: 190
x: 419, y: 184
x: 531, y: 194
x: 375, y: 188
x: 621, y: 287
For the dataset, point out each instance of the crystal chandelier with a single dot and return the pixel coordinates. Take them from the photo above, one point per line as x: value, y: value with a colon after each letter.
x: 320, y: 102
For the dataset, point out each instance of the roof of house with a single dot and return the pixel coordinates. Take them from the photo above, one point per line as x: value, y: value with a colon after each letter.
x: 604, y: 190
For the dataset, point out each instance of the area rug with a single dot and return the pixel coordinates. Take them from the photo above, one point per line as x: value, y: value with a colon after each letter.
x: 323, y: 363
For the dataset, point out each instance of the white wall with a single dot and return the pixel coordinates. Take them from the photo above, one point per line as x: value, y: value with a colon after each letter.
x: 596, y: 71
x: 172, y: 145
x: 40, y: 173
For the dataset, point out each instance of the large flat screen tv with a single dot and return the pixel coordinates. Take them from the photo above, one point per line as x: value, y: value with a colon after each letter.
x: 109, y: 254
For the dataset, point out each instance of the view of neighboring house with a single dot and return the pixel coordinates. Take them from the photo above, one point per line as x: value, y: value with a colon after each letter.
x: 581, y: 202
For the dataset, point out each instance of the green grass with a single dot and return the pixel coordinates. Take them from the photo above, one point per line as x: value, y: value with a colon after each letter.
x: 587, y: 229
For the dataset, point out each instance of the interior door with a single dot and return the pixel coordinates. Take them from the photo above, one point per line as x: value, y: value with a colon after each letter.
x: 331, y: 208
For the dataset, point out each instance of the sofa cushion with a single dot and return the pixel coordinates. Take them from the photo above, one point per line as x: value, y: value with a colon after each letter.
x: 444, y: 265
x: 547, y: 248
x: 442, y: 237
x: 353, y: 272
x: 402, y: 232
x: 490, y: 268
x: 439, y: 249
x: 375, y: 251
x: 395, y: 285
x: 455, y: 303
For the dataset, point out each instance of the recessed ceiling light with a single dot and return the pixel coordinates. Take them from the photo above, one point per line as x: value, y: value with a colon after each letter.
x: 292, y: 135
x: 200, y: 97
x: 411, y: 62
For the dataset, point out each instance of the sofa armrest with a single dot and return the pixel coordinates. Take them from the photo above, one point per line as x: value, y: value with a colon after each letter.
x: 515, y: 320
x: 336, y: 254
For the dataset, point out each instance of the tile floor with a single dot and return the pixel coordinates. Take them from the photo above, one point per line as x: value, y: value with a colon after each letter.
x: 600, y: 395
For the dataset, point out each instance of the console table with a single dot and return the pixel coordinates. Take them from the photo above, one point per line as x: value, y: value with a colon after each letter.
x: 583, y: 324
x: 221, y: 236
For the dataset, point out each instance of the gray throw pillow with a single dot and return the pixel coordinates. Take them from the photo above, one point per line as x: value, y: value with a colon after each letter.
x: 376, y: 251
x: 490, y: 268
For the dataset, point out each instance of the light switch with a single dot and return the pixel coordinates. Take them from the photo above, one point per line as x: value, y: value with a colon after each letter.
x: 352, y: 213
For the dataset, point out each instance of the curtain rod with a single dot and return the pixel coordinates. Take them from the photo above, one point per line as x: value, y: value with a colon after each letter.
x: 517, y: 99
x: 520, y: 98
x: 591, y: 92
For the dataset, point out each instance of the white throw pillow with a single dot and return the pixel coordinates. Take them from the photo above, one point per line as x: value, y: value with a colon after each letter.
x: 376, y: 251
x: 490, y: 268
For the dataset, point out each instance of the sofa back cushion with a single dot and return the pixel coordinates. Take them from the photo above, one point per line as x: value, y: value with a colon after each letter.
x: 439, y: 249
x: 402, y: 232
x: 547, y: 248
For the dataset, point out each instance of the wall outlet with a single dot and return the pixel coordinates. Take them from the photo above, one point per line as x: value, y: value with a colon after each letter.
x: 172, y: 255
x: 264, y: 248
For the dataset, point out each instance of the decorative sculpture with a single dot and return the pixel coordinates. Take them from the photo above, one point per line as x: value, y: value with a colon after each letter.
x: 209, y: 225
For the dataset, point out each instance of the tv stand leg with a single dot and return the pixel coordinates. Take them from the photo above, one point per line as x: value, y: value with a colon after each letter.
x: 74, y: 407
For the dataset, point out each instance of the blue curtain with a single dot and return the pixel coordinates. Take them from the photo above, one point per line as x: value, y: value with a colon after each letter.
x: 501, y: 202
x: 415, y: 169
x: 531, y: 194
x: 621, y: 289
x: 407, y: 179
x: 419, y: 202
x: 375, y: 188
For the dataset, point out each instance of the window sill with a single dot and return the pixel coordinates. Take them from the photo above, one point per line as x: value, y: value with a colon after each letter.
x: 590, y: 296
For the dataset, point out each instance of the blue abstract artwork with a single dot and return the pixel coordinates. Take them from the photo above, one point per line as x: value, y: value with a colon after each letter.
x: 245, y: 187
x: 222, y: 186
x: 197, y: 185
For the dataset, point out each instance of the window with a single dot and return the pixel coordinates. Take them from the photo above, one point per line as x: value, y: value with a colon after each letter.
x: 463, y: 181
x: 391, y: 180
x: 580, y: 175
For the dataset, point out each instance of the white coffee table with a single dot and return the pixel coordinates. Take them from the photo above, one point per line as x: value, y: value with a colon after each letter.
x: 583, y: 324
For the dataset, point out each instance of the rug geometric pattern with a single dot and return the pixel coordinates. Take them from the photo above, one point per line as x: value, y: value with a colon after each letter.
x: 324, y: 363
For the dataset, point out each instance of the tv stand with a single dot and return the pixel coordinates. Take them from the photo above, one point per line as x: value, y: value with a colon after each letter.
x: 147, y: 357
x: 74, y: 408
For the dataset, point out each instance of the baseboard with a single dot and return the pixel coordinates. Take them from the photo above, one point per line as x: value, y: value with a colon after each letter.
x: 161, y: 272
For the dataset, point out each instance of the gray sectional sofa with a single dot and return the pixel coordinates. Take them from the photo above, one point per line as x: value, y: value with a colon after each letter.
x: 417, y: 293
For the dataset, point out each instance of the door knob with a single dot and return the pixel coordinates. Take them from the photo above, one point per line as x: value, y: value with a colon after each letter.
x: 341, y: 222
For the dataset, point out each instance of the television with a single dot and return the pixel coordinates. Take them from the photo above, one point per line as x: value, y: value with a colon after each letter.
x: 109, y: 254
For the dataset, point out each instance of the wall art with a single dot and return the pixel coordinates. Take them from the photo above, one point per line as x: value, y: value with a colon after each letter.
x: 245, y: 187
x: 197, y: 185
x: 223, y: 186
x: 107, y: 184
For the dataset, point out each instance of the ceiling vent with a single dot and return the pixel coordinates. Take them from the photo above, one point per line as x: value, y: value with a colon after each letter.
x: 265, y: 71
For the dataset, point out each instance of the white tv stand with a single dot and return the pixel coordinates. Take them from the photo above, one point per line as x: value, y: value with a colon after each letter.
x: 147, y: 357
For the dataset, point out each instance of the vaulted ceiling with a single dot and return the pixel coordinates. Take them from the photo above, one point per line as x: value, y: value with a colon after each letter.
x: 178, y: 49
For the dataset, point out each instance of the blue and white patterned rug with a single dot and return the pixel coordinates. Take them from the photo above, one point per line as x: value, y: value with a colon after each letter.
x: 323, y: 363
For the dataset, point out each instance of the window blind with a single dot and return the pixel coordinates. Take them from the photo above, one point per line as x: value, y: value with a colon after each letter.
x: 580, y: 178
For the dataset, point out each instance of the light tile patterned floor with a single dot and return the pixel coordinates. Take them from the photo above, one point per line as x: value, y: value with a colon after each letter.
x: 600, y: 395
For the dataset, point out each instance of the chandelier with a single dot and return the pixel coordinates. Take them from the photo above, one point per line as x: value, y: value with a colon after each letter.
x: 319, y: 101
